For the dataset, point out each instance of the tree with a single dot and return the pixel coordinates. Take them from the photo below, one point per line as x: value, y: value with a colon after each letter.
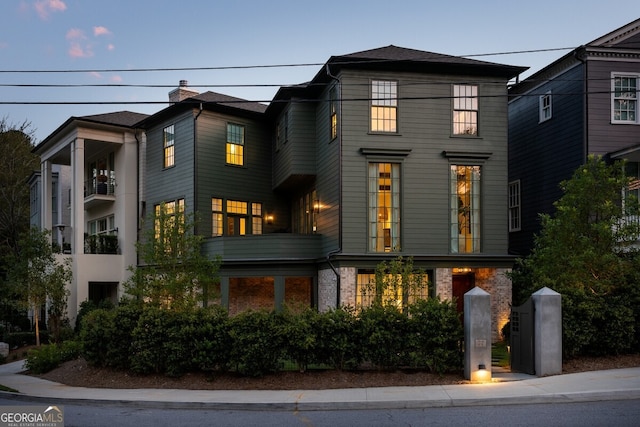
x: 396, y: 283
x: 17, y: 163
x: 173, y: 272
x: 40, y: 278
x: 587, y: 251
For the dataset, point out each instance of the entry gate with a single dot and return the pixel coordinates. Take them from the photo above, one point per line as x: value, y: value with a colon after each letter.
x: 522, y: 351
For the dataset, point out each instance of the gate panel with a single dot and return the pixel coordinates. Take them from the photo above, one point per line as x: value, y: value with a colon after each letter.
x: 522, y: 357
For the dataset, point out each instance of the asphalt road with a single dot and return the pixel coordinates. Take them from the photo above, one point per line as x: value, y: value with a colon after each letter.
x: 621, y: 413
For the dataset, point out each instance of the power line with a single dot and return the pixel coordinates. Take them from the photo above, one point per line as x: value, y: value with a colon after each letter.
x: 244, y: 67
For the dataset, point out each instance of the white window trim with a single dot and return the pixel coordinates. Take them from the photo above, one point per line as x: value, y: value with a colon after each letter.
x: 631, y: 75
x: 541, y: 107
x: 518, y: 205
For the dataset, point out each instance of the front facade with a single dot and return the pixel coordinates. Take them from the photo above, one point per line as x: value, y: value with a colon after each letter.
x: 584, y: 103
x: 384, y: 153
x: 99, y: 157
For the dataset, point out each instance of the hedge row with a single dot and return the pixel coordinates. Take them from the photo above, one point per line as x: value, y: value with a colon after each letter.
x: 253, y: 343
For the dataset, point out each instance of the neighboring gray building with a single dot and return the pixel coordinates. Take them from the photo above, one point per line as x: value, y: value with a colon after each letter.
x: 584, y: 103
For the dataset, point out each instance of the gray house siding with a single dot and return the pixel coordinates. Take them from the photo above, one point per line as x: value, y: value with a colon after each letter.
x: 165, y: 184
x: 424, y: 129
x: 249, y: 183
x: 541, y: 155
x: 605, y: 137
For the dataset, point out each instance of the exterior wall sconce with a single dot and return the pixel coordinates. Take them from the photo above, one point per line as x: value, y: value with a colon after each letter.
x: 462, y: 270
x: 269, y: 219
x: 316, y: 206
x: 482, y: 374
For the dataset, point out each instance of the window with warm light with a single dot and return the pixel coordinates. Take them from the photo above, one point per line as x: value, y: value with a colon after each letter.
x: 465, y: 110
x: 624, y: 98
x: 384, y: 106
x: 168, y: 138
x: 400, y: 296
x: 236, y: 218
x: 333, y: 113
x: 217, y: 215
x: 306, y: 208
x: 384, y: 207
x: 465, y: 209
x: 168, y: 216
x: 235, y: 144
x: 256, y: 218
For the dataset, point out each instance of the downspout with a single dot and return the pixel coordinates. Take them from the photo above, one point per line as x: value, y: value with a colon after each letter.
x: 339, y: 249
x: 195, y: 166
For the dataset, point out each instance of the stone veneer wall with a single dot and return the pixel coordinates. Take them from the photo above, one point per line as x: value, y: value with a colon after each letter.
x: 327, y: 287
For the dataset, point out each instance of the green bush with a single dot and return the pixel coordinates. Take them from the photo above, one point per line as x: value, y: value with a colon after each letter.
x: 125, y: 319
x: 48, y: 357
x: 385, y: 334
x: 301, y: 339
x: 212, y: 342
x: 96, y: 336
x: 257, y: 342
x: 148, y: 338
x: 436, y: 334
x: 339, y: 338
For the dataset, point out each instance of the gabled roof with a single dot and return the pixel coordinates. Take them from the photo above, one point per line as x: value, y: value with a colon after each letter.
x: 400, y: 58
x: 395, y: 58
x: 211, y: 101
x: 127, y: 119
x: 118, y: 118
x: 623, y: 42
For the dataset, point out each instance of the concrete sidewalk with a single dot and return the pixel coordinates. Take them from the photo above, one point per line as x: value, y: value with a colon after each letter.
x: 506, y: 389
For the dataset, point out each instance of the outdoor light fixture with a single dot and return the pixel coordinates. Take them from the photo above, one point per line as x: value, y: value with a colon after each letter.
x: 269, y: 219
x: 482, y: 375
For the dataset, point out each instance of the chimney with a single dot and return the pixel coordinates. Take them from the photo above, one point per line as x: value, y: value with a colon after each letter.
x: 181, y: 93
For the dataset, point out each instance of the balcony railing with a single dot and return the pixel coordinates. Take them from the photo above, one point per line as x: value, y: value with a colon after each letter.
x: 101, y: 244
x: 101, y: 187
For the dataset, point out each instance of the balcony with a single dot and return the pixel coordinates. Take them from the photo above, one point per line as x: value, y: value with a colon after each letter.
x: 101, y: 244
x: 265, y: 247
x: 99, y: 192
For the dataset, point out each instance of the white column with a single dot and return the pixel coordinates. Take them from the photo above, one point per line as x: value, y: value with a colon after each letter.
x: 77, y: 196
x: 46, y: 214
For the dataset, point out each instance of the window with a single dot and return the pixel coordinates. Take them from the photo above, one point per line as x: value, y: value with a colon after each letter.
x: 217, y: 222
x: 165, y: 219
x: 624, y: 98
x: 545, y: 107
x: 391, y: 290
x: 514, y: 206
x: 235, y: 144
x: 232, y: 217
x: 384, y: 207
x: 256, y: 218
x: 333, y: 113
x: 384, y: 105
x: 104, y: 225
x: 168, y: 137
x: 305, y: 213
x: 465, y: 209
x: 465, y: 110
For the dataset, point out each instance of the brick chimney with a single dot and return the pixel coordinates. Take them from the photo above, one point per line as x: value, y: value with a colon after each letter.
x: 181, y: 93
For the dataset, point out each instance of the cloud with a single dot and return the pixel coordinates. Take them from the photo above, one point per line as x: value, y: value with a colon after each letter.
x: 77, y: 50
x: 116, y: 79
x: 101, y: 31
x: 96, y: 75
x: 45, y: 7
x: 110, y: 47
x: 75, y: 34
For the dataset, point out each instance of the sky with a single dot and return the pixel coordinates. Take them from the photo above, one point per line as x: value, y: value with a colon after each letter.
x: 224, y: 45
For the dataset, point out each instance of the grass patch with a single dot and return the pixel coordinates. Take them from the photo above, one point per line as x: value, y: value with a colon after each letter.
x: 500, y: 354
x: 9, y: 389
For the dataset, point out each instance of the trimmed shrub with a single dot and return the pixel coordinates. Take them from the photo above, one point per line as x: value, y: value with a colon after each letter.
x: 212, y: 342
x: 385, y: 334
x: 125, y: 320
x: 148, y: 338
x: 436, y: 334
x: 301, y: 339
x: 257, y: 342
x: 339, y: 338
x: 48, y: 357
x: 96, y: 335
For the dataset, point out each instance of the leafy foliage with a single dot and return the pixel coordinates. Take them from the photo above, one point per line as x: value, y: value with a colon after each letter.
x: 175, y: 274
x: 588, y: 253
x: 48, y: 357
x: 41, y: 278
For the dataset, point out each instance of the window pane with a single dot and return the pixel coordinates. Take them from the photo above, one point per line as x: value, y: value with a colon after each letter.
x: 465, y: 110
x: 384, y: 207
x: 465, y: 209
x: 168, y: 136
x: 384, y: 106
